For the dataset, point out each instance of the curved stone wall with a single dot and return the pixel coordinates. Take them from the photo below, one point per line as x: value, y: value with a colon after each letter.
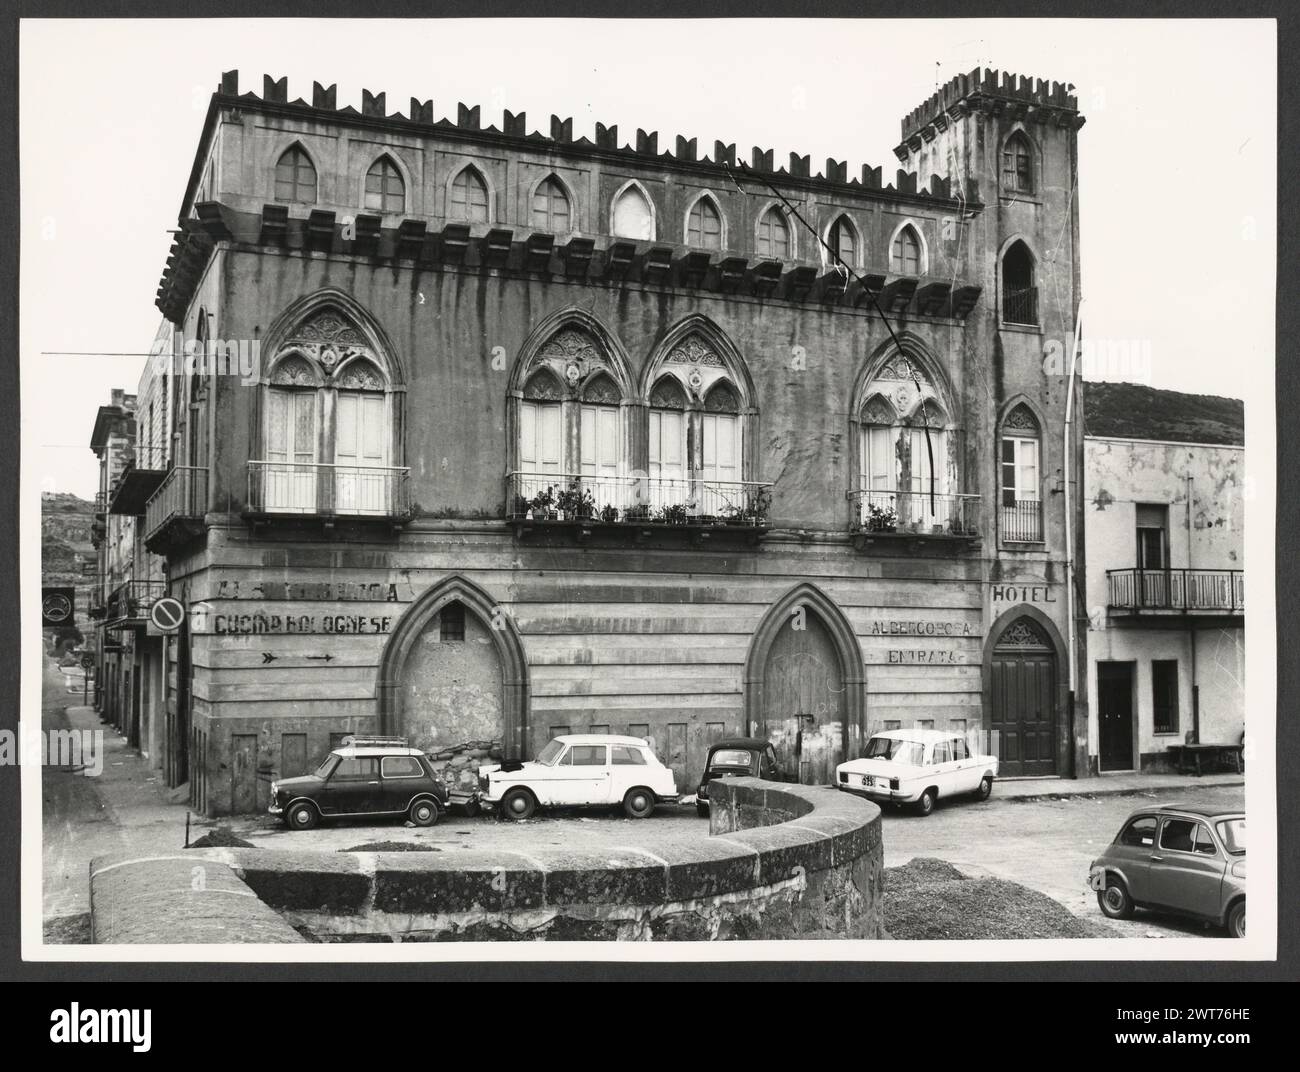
x: 781, y: 861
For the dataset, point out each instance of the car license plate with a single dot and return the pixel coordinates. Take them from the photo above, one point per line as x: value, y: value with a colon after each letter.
x: 882, y: 783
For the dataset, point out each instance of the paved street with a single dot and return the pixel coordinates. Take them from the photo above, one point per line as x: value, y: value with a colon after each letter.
x: 1044, y: 844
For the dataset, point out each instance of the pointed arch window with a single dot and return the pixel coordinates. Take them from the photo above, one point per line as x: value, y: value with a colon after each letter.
x: 843, y: 241
x: 385, y: 190
x: 295, y: 177
x: 720, y: 435
x: 598, y: 431
x: 1021, y: 479
x: 541, y: 426
x: 633, y: 216
x: 668, y: 456
x: 1018, y: 164
x: 704, y: 225
x: 469, y: 197
x: 551, y: 208
x: 1019, y: 295
x: 328, y: 425
x: 774, y: 235
x: 905, y: 253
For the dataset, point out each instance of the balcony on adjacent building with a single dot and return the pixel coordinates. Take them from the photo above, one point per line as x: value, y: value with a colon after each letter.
x: 280, y: 490
x: 174, y: 512
x: 888, y: 515
x: 639, y: 505
x: 131, y: 491
x: 1176, y: 593
x: 128, y: 604
x: 1022, y: 521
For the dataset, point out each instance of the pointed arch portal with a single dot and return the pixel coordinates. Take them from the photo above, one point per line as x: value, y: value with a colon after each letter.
x: 804, y: 684
x: 1024, y: 697
x: 457, y: 686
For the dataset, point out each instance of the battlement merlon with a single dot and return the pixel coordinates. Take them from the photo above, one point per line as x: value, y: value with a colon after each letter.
x: 685, y: 153
x: 992, y: 92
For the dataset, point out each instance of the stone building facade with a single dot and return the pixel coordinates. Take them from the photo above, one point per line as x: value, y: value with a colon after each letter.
x: 495, y: 434
x: 1165, y: 573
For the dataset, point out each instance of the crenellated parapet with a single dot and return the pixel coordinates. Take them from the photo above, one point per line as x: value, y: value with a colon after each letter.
x: 1034, y: 100
x: 685, y: 153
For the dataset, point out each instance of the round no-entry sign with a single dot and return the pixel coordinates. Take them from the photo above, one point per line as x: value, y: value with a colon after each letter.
x: 167, y: 614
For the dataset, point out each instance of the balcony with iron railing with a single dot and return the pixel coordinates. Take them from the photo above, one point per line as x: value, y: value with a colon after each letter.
x: 1176, y: 592
x: 1020, y: 306
x: 646, y: 504
x: 324, y: 491
x: 128, y: 604
x: 175, y: 511
x: 1022, y: 521
x: 891, y: 514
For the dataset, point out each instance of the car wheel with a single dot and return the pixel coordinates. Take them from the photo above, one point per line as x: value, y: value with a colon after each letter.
x: 702, y: 810
x: 518, y: 804
x: 1237, y: 920
x: 639, y: 803
x: 1114, y: 901
x: 424, y: 813
x: 926, y: 804
x: 985, y: 788
x: 301, y: 816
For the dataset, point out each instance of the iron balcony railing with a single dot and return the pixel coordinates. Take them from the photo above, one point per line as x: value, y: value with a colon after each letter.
x: 1176, y: 589
x: 612, y: 499
x: 1020, y: 306
x: 327, y: 490
x: 183, y: 494
x: 917, y: 512
x: 1022, y: 521
x: 131, y: 601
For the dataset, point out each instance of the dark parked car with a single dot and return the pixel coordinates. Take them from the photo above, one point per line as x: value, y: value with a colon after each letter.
x: 1189, y: 860
x: 365, y: 776
x: 737, y: 757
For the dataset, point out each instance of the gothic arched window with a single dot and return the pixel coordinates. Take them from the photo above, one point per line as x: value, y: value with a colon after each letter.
x: 1018, y: 164
x: 843, y: 241
x: 469, y: 197
x: 905, y: 253
x: 1021, y: 467
x: 633, y: 216
x: 385, y: 190
x: 551, y: 209
x: 704, y: 225
x: 295, y: 177
x: 774, y: 235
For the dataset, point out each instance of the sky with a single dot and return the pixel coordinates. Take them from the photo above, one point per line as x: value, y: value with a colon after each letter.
x: 1177, y: 187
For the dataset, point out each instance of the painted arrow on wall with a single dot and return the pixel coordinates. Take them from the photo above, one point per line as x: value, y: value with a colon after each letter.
x: 327, y: 658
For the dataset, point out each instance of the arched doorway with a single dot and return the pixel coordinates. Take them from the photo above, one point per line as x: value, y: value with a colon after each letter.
x: 1022, y: 699
x: 804, y: 685
x: 453, y: 681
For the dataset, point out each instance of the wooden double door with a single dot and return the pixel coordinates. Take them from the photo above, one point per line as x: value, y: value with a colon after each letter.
x: 1023, y: 702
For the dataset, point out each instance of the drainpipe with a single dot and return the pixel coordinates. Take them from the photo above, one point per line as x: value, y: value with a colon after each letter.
x: 1191, y: 630
x: 1069, y: 517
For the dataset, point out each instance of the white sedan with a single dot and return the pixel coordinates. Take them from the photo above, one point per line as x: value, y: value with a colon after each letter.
x: 581, y: 769
x: 917, y: 767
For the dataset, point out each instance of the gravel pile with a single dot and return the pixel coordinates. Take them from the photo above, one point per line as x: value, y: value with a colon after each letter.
x: 390, y: 846
x: 221, y: 838
x: 928, y: 898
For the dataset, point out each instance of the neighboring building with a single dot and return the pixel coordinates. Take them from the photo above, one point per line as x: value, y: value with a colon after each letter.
x: 548, y: 434
x: 1165, y: 572
x: 68, y: 559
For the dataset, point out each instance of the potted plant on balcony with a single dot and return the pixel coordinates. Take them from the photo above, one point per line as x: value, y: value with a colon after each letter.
x: 522, y: 507
x: 608, y: 514
x: 543, y: 505
x: 760, y: 501
x: 881, y: 518
x: 675, y: 514
x: 639, y: 512
x: 574, y: 503
x: 732, y: 515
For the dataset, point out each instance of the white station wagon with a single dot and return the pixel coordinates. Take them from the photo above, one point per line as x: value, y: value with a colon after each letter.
x: 917, y: 767
x: 580, y: 769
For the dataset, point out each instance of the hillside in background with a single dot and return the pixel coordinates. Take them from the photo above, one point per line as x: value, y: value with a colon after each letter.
x: 1134, y: 411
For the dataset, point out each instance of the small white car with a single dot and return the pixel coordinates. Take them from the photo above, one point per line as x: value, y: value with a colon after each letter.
x: 580, y: 769
x: 917, y: 767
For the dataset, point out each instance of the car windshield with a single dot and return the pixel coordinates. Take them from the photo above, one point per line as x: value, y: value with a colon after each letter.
x: 1232, y: 832
x: 548, y: 755
x: 331, y: 761
x: 730, y: 757
x: 905, y: 752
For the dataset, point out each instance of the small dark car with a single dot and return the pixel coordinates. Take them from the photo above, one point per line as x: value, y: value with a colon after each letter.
x: 737, y: 757
x: 365, y: 776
